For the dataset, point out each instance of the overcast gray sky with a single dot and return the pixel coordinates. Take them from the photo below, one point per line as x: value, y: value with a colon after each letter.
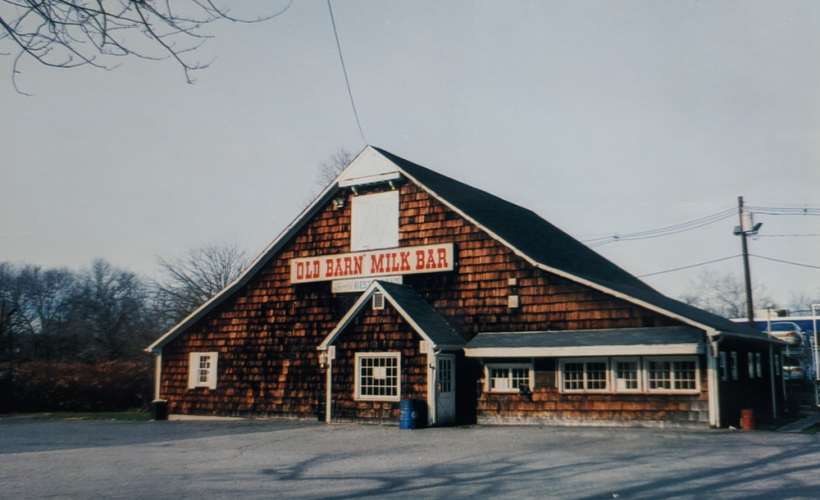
x: 602, y: 117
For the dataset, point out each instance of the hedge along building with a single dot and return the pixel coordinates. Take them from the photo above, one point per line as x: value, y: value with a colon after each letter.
x: 398, y: 282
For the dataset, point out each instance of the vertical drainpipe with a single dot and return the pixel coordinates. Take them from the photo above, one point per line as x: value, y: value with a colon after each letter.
x: 158, y: 376
x: 331, y: 355
x: 771, y: 375
x: 713, y: 383
x: 431, y: 385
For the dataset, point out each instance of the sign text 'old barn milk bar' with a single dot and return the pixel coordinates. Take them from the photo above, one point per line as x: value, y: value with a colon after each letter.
x: 372, y: 263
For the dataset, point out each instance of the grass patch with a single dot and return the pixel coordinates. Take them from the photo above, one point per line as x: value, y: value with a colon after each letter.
x: 814, y: 429
x: 129, y: 416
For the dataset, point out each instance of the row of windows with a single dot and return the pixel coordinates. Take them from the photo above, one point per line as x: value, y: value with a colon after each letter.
x: 754, y: 365
x: 633, y: 374
x: 377, y: 375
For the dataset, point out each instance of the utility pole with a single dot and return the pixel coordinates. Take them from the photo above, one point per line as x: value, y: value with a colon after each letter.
x: 746, y: 227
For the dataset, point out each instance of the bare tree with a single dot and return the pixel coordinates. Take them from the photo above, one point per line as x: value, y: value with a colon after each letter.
x: 723, y: 294
x: 800, y: 302
x: 71, y: 33
x: 329, y: 170
x: 12, y: 326
x: 112, y: 302
x: 194, y: 278
x: 48, y: 311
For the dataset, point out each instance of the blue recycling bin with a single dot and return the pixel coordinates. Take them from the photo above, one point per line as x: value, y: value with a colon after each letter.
x: 409, y: 414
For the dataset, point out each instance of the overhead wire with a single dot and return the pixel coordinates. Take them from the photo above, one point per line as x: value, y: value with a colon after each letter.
x: 689, y: 267
x: 784, y: 261
x: 809, y: 211
x: 344, y: 70
x: 786, y: 235
x: 664, y: 231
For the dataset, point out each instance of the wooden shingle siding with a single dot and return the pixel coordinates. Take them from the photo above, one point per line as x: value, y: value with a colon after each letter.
x: 376, y: 331
x: 267, y: 332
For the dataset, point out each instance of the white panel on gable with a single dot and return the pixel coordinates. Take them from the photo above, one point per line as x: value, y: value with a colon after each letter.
x: 375, y: 221
x: 369, y: 167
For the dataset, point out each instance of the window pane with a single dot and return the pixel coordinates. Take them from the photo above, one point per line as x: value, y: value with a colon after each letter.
x: 627, y: 375
x: 499, y: 379
x: 204, y: 366
x: 596, y: 375
x: 573, y: 376
x: 660, y: 376
x: 445, y: 375
x: 519, y: 377
x: 684, y: 375
x: 759, y: 365
x: 378, y: 377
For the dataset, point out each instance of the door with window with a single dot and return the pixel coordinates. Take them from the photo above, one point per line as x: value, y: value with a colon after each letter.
x: 445, y: 389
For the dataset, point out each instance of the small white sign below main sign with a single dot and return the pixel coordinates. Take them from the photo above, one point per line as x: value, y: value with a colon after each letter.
x: 351, y: 286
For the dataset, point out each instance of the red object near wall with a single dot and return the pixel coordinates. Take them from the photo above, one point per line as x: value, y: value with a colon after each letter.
x: 747, y: 420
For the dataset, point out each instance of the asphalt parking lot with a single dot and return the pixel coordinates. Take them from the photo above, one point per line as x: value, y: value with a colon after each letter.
x: 296, y: 459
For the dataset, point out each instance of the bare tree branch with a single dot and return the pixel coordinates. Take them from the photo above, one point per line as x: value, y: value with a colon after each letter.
x: 196, y: 277
x: 71, y: 33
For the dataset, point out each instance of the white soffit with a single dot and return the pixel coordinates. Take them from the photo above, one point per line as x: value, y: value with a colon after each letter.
x: 368, y: 168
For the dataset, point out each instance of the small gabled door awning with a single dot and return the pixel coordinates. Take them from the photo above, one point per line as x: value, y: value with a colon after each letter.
x: 414, y: 309
x: 674, y: 340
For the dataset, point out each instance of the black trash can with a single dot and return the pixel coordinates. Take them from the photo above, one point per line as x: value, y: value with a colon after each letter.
x: 159, y: 409
x: 321, y: 409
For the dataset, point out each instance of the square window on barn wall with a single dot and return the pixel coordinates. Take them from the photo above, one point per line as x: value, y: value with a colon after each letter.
x: 377, y: 376
x: 375, y: 221
x: 202, y: 370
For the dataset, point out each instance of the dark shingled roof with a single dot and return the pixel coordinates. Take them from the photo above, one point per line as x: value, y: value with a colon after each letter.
x: 582, y: 338
x: 551, y: 247
x: 422, y: 313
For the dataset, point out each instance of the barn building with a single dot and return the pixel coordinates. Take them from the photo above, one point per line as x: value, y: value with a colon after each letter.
x: 401, y: 283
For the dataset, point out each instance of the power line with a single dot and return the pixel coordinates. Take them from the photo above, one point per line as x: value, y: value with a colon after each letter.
x: 344, y: 70
x: 664, y: 231
x: 785, y: 235
x: 784, y: 210
x: 688, y: 267
x: 786, y: 262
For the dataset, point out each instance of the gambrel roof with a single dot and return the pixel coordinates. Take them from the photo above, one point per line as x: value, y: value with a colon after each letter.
x: 519, y: 229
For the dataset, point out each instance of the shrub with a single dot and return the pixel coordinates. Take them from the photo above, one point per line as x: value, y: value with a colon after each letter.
x: 39, y: 386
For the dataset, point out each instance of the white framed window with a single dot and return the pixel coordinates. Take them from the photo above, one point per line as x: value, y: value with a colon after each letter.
x: 509, y: 377
x: 580, y: 375
x: 378, y: 376
x: 751, y: 357
x: 626, y: 374
x: 374, y: 221
x: 672, y: 374
x: 759, y: 365
x: 202, y: 369
x: 733, y: 365
x: 724, y: 370
x: 631, y: 374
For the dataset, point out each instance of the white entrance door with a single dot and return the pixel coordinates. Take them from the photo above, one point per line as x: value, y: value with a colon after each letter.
x: 446, y: 389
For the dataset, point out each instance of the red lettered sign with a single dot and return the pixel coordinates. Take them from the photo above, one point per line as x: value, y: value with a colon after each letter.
x: 368, y: 264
